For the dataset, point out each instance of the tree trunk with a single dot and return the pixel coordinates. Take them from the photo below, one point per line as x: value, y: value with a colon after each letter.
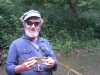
x: 73, y: 6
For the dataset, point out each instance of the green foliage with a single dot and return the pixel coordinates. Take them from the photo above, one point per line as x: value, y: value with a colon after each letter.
x: 65, y: 30
x: 9, y: 24
x: 63, y: 42
x: 91, y: 45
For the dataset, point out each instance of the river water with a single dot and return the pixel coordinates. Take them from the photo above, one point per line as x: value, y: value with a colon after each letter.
x: 83, y: 64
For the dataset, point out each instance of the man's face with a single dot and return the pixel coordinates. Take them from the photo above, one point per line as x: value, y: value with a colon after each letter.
x: 32, y: 27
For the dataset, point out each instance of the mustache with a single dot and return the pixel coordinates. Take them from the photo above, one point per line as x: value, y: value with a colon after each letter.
x: 33, y: 29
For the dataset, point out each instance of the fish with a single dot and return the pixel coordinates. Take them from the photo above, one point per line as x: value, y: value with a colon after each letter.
x: 39, y: 60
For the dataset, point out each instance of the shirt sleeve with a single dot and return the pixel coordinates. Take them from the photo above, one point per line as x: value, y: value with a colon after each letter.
x: 11, y: 61
x: 52, y: 55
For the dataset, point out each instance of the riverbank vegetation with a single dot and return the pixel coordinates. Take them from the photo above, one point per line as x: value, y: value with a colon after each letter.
x: 68, y: 24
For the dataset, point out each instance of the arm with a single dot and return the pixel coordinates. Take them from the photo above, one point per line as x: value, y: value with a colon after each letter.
x: 52, y: 60
x: 11, y: 61
x: 12, y: 64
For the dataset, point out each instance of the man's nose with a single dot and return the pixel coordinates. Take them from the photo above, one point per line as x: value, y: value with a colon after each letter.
x: 33, y: 26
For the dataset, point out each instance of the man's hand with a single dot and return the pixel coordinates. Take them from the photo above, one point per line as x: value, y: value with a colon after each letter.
x: 50, y: 62
x: 25, y: 66
x: 29, y: 64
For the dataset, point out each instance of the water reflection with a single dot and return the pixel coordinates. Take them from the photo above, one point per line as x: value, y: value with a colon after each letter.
x: 86, y: 64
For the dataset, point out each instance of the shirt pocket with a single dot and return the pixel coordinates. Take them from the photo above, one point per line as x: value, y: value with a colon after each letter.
x: 25, y: 54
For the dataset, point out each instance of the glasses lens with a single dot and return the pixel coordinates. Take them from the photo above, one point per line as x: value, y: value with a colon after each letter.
x: 31, y: 23
x: 36, y: 23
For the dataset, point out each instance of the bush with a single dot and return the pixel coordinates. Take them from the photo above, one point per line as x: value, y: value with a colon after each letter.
x: 65, y: 31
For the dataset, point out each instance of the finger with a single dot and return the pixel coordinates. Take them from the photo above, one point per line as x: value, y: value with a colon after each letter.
x: 30, y: 63
x: 33, y: 62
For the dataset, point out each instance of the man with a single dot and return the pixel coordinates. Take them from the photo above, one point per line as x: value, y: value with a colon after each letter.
x: 23, y: 48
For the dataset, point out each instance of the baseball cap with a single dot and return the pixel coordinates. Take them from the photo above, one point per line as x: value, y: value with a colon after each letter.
x: 30, y: 14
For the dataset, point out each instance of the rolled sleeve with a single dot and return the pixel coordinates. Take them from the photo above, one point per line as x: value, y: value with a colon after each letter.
x: 10, y: 69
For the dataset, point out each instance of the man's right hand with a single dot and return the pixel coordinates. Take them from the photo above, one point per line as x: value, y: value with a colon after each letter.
x: 25, y: 66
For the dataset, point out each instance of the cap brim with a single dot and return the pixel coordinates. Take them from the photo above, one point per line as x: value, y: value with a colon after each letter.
x: 30, y: 15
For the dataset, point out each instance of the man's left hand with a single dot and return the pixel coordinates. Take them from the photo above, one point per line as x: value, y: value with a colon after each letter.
x: 50, y: 62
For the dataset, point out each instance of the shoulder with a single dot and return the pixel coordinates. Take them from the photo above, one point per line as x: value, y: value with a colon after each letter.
x: 43, y: 39
x: 17, y: 40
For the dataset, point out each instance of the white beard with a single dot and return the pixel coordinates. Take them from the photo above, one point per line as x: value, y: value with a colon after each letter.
x: 32, y: 34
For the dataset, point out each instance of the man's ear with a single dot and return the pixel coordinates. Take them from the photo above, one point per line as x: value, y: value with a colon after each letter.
x: 41, y: 21
x: 24, y: 24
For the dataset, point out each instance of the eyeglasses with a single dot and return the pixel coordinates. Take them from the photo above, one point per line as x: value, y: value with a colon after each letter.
x: 31, y: 23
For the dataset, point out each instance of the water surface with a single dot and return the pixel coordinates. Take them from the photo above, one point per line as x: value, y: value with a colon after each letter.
x: 86, y: 64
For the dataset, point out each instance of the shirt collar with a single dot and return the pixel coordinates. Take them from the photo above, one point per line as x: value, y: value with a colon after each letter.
x: 25, y: 37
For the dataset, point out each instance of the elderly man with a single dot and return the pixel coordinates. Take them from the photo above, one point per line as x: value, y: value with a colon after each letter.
x: 31, y: 45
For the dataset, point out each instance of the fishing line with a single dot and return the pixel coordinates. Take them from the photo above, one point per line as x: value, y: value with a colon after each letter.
x: 70, y: 68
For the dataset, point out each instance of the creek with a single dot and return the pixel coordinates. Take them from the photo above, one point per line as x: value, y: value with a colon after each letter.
x: 85, y: 64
